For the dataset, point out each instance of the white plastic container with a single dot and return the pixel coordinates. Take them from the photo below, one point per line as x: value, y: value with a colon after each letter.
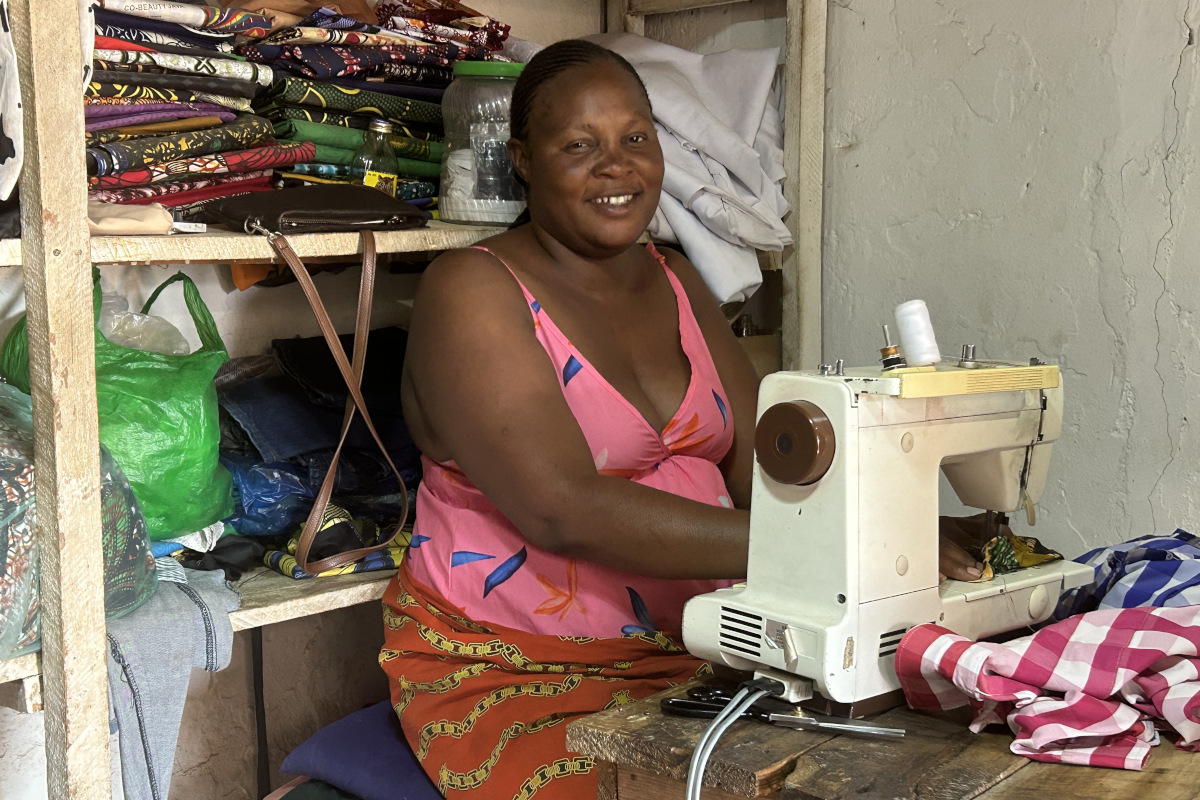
x: 478, y: 183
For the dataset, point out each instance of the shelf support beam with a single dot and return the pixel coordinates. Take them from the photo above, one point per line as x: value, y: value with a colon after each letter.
x: 58, y: 298
x: 804, y: 188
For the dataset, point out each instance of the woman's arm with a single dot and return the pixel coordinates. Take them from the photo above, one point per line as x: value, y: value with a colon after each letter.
x: 489, y: 398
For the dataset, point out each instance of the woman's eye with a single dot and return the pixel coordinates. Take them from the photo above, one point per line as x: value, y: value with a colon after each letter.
x: 638, y: 138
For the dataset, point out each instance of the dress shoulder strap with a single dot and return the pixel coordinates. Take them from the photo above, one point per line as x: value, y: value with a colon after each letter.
x: 528, y: 297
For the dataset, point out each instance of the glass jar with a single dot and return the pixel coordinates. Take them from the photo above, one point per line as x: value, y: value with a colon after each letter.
x: 374, y: 163
x: 478, y: 183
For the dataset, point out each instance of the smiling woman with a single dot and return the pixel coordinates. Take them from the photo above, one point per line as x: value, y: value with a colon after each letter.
x: 586, y: 419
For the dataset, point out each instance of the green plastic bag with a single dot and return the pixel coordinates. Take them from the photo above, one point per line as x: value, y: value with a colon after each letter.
x: 158, y: 417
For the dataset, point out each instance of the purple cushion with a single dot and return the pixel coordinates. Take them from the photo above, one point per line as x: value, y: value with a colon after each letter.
x: 366, y: 755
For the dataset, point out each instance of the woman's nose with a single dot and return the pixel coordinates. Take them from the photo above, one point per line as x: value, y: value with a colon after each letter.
x: 613, y: 160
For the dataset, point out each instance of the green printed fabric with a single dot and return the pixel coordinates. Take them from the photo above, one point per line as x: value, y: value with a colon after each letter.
x: 277, y: 112
x: 409, y: 168
x: 352, y: 139
x: 298, y: 91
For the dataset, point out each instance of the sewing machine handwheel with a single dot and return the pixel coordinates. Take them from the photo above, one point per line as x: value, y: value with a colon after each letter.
x: 794, y: 442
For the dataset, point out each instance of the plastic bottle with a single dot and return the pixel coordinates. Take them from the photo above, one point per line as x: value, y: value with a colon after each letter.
x: 478, y: 184
x: 374, y: 163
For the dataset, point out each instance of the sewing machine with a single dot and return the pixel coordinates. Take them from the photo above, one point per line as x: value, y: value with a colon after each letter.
x: 844, y: 522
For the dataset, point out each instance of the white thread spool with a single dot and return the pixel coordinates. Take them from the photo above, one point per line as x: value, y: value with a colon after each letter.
x: 916, y: 334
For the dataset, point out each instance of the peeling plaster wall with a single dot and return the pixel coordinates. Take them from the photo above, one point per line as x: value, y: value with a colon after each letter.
x: 1028, y: 169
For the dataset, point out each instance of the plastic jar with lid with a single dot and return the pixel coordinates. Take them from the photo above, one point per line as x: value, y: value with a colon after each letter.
x: 478, y: 183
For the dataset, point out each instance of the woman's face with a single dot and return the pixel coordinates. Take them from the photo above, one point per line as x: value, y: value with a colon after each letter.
x: 591, y: 159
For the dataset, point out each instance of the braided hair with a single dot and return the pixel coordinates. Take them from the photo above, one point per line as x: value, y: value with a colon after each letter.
x: 545, y: 65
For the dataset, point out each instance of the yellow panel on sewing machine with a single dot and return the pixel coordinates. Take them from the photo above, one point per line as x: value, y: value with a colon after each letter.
x: 942, y: 380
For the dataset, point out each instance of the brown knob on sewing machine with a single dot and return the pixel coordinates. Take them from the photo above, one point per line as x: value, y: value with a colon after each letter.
x: 794, y: 442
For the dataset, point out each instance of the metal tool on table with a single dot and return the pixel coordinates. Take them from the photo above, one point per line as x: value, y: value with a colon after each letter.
x: 702, y: 703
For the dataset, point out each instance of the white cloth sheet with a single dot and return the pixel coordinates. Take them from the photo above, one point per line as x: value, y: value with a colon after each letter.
x: 719, y: 125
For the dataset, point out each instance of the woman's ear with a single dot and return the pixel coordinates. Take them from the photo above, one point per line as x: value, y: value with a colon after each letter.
x: 516, y: 154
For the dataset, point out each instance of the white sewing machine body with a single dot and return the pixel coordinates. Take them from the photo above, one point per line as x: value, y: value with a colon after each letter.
x: 840, y: 568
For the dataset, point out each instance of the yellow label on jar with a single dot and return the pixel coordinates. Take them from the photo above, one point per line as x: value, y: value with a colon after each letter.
x: 383, y: 181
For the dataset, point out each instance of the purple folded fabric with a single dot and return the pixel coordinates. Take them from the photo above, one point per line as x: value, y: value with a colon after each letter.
x: 97, y: 111
x: 142, y: 117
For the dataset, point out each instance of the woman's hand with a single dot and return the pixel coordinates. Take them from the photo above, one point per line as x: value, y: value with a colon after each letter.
x: 955, y: 536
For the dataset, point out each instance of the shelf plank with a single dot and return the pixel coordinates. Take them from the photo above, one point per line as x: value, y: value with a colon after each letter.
x: 19, y: 668
x: 671, y: 6
x: 224, y: 247
x: 268, y: 597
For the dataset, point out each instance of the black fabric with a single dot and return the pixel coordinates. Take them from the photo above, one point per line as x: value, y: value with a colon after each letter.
x: 10, y: 215
x: 233, y: 554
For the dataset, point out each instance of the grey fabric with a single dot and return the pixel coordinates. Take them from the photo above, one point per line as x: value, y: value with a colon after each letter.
x: 151, y: 653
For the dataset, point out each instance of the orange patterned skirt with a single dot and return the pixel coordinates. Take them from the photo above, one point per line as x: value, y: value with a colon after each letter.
x: 485, y: 708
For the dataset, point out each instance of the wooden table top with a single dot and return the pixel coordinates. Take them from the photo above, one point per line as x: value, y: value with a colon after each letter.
x: 645, y: 754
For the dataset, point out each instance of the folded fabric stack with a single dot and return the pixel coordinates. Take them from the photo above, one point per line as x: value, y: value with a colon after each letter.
x: 167, y: 112
x: 335, y: 73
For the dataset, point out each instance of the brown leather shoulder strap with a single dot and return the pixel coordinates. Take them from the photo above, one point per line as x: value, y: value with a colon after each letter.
x: 352, y: 373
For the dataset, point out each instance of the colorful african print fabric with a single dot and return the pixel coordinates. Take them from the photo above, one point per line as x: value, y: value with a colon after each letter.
x: 95, y: 108
x: 179, y: 191
x: 107, y: 159
x: 297, y: 91
x: 233, y: 20
x: 485, y: 708
x: 327, y: 36
x: 236, y: 20
x: 410, y: 168
x: 277, y: 112
x: 412, y: 20
x: 199, y: 65
x: 143, y: 118
x: 352, y: 139
x: 177, y: 81
x: 127, y: 132
x: 250, y: 160
x: 128, y: 91
x: 151, y: 32
x: 413, y: 64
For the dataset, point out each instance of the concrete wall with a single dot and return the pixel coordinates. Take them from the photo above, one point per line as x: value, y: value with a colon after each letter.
x: 1028, y: 169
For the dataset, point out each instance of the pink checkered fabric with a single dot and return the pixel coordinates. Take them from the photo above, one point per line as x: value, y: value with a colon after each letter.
x: 1087, y: 690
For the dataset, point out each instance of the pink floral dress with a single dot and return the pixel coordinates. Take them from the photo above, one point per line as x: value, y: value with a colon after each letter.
x: 468, y: 551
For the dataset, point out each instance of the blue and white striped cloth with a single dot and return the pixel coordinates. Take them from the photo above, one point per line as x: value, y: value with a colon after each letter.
x: 1147, y: 571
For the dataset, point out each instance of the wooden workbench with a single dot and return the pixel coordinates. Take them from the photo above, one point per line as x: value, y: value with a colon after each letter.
x: 644, y: 755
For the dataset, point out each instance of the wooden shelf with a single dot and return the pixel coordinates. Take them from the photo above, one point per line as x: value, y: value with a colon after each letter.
x: 19, y: 668
x: 640, y: 7
x: 223, y: 247
x: 269, y: 597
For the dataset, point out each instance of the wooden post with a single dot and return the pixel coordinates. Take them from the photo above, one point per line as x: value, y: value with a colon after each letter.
x: 58, y: 297
x: 804, y: 163
x: 619, y: 19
